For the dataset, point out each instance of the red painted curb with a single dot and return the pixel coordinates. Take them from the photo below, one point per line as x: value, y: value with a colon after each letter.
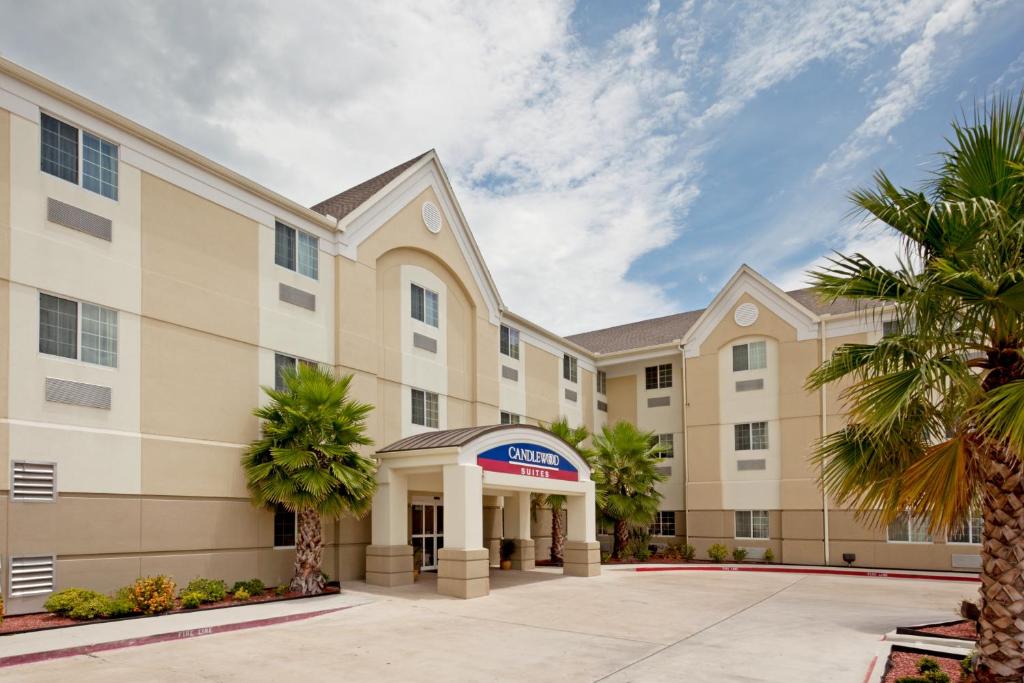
x: 810, y: 570
x: 46, y: 655
x: 871, y: 669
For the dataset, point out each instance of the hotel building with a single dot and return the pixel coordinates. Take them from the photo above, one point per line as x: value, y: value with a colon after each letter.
x: 147, y: 293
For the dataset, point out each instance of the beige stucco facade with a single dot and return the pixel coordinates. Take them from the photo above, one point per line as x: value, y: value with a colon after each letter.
x: 145, y: 451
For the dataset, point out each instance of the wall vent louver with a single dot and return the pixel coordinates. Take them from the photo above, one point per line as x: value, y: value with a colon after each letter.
x: 31, y: 576
x: 570, y: 395
x: 422, y: 341
x: 431, y: 217
x: 659, y: 402
x: 77, y: 393
x: 602, y: 406
x: 78, y: 219
x: 749, y: 385
x: 744, y: 465
x: 33, y: 481
x: 296, y: 297
x: 509, y: 373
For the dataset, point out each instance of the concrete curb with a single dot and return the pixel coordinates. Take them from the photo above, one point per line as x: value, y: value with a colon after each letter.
x: 46, y: 655
x: 874, y: 573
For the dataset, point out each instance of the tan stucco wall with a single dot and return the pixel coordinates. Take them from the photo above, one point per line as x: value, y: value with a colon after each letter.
x: 542, y: 373
x: 622, y: 399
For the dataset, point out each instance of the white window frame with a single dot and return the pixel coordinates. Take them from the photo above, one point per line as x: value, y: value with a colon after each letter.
x: 975, y: 527
x: 425, y: 294
x: 570, y: 368
x: 426, y: 415
x: 508, y: 341
x: 297, y: 236
x: 658, y: 526
x: 296, y: 361
x: 750, y: 436
x: 601, y: 379
x: 508, y: 418
x: 761, y: 515
x: 662, y: 376
x: 911, y: 524
x: 763, y: 356
x: 79, y: 327
x: 80, y: 140
x: 669, y: 439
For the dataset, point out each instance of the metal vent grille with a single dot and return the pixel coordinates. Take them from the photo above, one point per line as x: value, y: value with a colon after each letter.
x: 659, y: 402
x: 602, y: 406
x: 33, y: 481
x: 966, y: 561
x: 743, y: 465
x: 422, y: 341
x: 666, y: 470
x: 77, y: 393
x: 509, y: 373
x: 78, y: 219
x: 431, y: 217
x: 750, y: 385
x: 745, y: 314
x: 31, y: 575
x: 296, y: 297
x: 570, y: 395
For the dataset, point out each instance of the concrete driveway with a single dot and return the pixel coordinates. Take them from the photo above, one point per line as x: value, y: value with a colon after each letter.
x: 539, y: 626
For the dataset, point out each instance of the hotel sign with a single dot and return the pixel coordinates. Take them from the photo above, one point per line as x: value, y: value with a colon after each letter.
x: 527, y: 460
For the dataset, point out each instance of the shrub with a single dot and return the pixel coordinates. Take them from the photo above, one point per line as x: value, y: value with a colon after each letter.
x: 930, y: 672
x: 251, y: 587
x: 121, y: 604
x: 967, y: 663
x: 241, y: 594
x: 769, y: 556
x: 689, y: 552
x: 78, y: 603
x: 209, y: 590
x: 281, y: 590
x: 506, y: 548
x: 641, y: 553
x: 718, y: 552
x: 605, y: 557
x: 152, y: 594
x: 191, y: 600
x: 739, y: 554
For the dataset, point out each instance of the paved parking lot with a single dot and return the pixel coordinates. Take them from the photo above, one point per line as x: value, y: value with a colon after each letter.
x: 539, y: 626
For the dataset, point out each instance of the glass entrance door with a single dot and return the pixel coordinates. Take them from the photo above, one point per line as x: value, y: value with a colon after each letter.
x: 427, y: 531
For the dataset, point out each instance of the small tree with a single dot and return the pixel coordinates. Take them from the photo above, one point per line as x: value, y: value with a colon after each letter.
x: 627, y: 460
x: 307, y: 461
x: 574, y: 436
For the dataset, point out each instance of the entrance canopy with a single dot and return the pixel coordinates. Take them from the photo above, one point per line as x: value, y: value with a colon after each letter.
x: 509, y: 461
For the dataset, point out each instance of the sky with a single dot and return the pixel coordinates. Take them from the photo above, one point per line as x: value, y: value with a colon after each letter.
x: 616, y: 161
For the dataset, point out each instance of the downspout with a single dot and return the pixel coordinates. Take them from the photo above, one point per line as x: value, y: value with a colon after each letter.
x: 686, y: 451
x: 824, y: 431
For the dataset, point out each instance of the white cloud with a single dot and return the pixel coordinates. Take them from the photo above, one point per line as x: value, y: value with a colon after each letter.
x: 875, y: 241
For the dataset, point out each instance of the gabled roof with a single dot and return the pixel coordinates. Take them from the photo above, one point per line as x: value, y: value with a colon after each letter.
x: 453, y: 438
x: 670, y: 328
x: 344, y: 203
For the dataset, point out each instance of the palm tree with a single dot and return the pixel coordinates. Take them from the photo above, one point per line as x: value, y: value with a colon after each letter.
x: 936, y: 409
x: 574, y: 436
x: 627, y: 460
x: 307, y: 461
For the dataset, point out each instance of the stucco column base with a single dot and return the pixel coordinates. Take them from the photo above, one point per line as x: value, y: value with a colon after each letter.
x: 524, y: 556
x: 463, y: 573
x: 582, y: 558
x: 389, y: 565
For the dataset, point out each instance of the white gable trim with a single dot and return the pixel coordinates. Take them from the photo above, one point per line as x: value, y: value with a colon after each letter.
x: 748, y: 281
x: 396, y: 195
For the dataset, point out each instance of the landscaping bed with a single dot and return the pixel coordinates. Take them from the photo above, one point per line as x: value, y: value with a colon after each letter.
x: 41, y: 621
x: 961, y: 629
x: 906, y: 662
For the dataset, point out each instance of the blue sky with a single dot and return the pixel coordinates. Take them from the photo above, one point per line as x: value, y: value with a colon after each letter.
x: 616, y: 161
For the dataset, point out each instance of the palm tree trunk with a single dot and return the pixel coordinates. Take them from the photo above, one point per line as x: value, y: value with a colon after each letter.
x: 1001, y: 625
x: 557, y: 536
x: 621, y: 539
x: 309, y: 550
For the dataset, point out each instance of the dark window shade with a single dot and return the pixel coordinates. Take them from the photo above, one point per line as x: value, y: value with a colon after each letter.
x: 284, y: 527
x: 58, y: 149
x: 284, y: 246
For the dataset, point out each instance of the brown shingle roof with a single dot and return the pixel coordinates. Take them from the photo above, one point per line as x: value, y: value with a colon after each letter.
x: 344, y: 203
x: 672, y: 327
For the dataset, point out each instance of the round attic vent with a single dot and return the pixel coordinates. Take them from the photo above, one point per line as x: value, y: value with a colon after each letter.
x: 432, y: 217
x: 745, y: 315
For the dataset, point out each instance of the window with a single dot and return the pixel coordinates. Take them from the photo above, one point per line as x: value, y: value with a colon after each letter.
x: 424, y: 305
x: 751, y: 524
x: 664, y: 523
x: 424, y: 408
x: 296, y: 250
x: 909, y: 529
x: 890, y: 328
x: 509, y: 418
x: 284, y: 527
x: 59, y: 330
x: 751, y: 436
x: 602, y: 382
x: 604, y: 527
x: 969, y: 531
x: 668, y: 442
x: 750, y: 356
x: 59, y: 155
x: 510, y: 341
x: 283, y: 362
x: 659, y: 376
x: 570, y: 369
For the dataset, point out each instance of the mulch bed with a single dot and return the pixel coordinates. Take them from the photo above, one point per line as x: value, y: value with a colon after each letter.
x: 962, y: 629
x: 903, y: 662
x: 41, y: 621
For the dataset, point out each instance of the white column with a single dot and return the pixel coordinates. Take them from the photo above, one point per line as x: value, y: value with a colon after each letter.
x: 390, y: 525
x: 582, y: 515
x: 517, y: 515
x: 463, y: 506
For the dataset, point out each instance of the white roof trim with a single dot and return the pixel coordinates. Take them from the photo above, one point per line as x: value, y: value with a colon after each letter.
x: 748, y: 281
x: 359, y: 225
